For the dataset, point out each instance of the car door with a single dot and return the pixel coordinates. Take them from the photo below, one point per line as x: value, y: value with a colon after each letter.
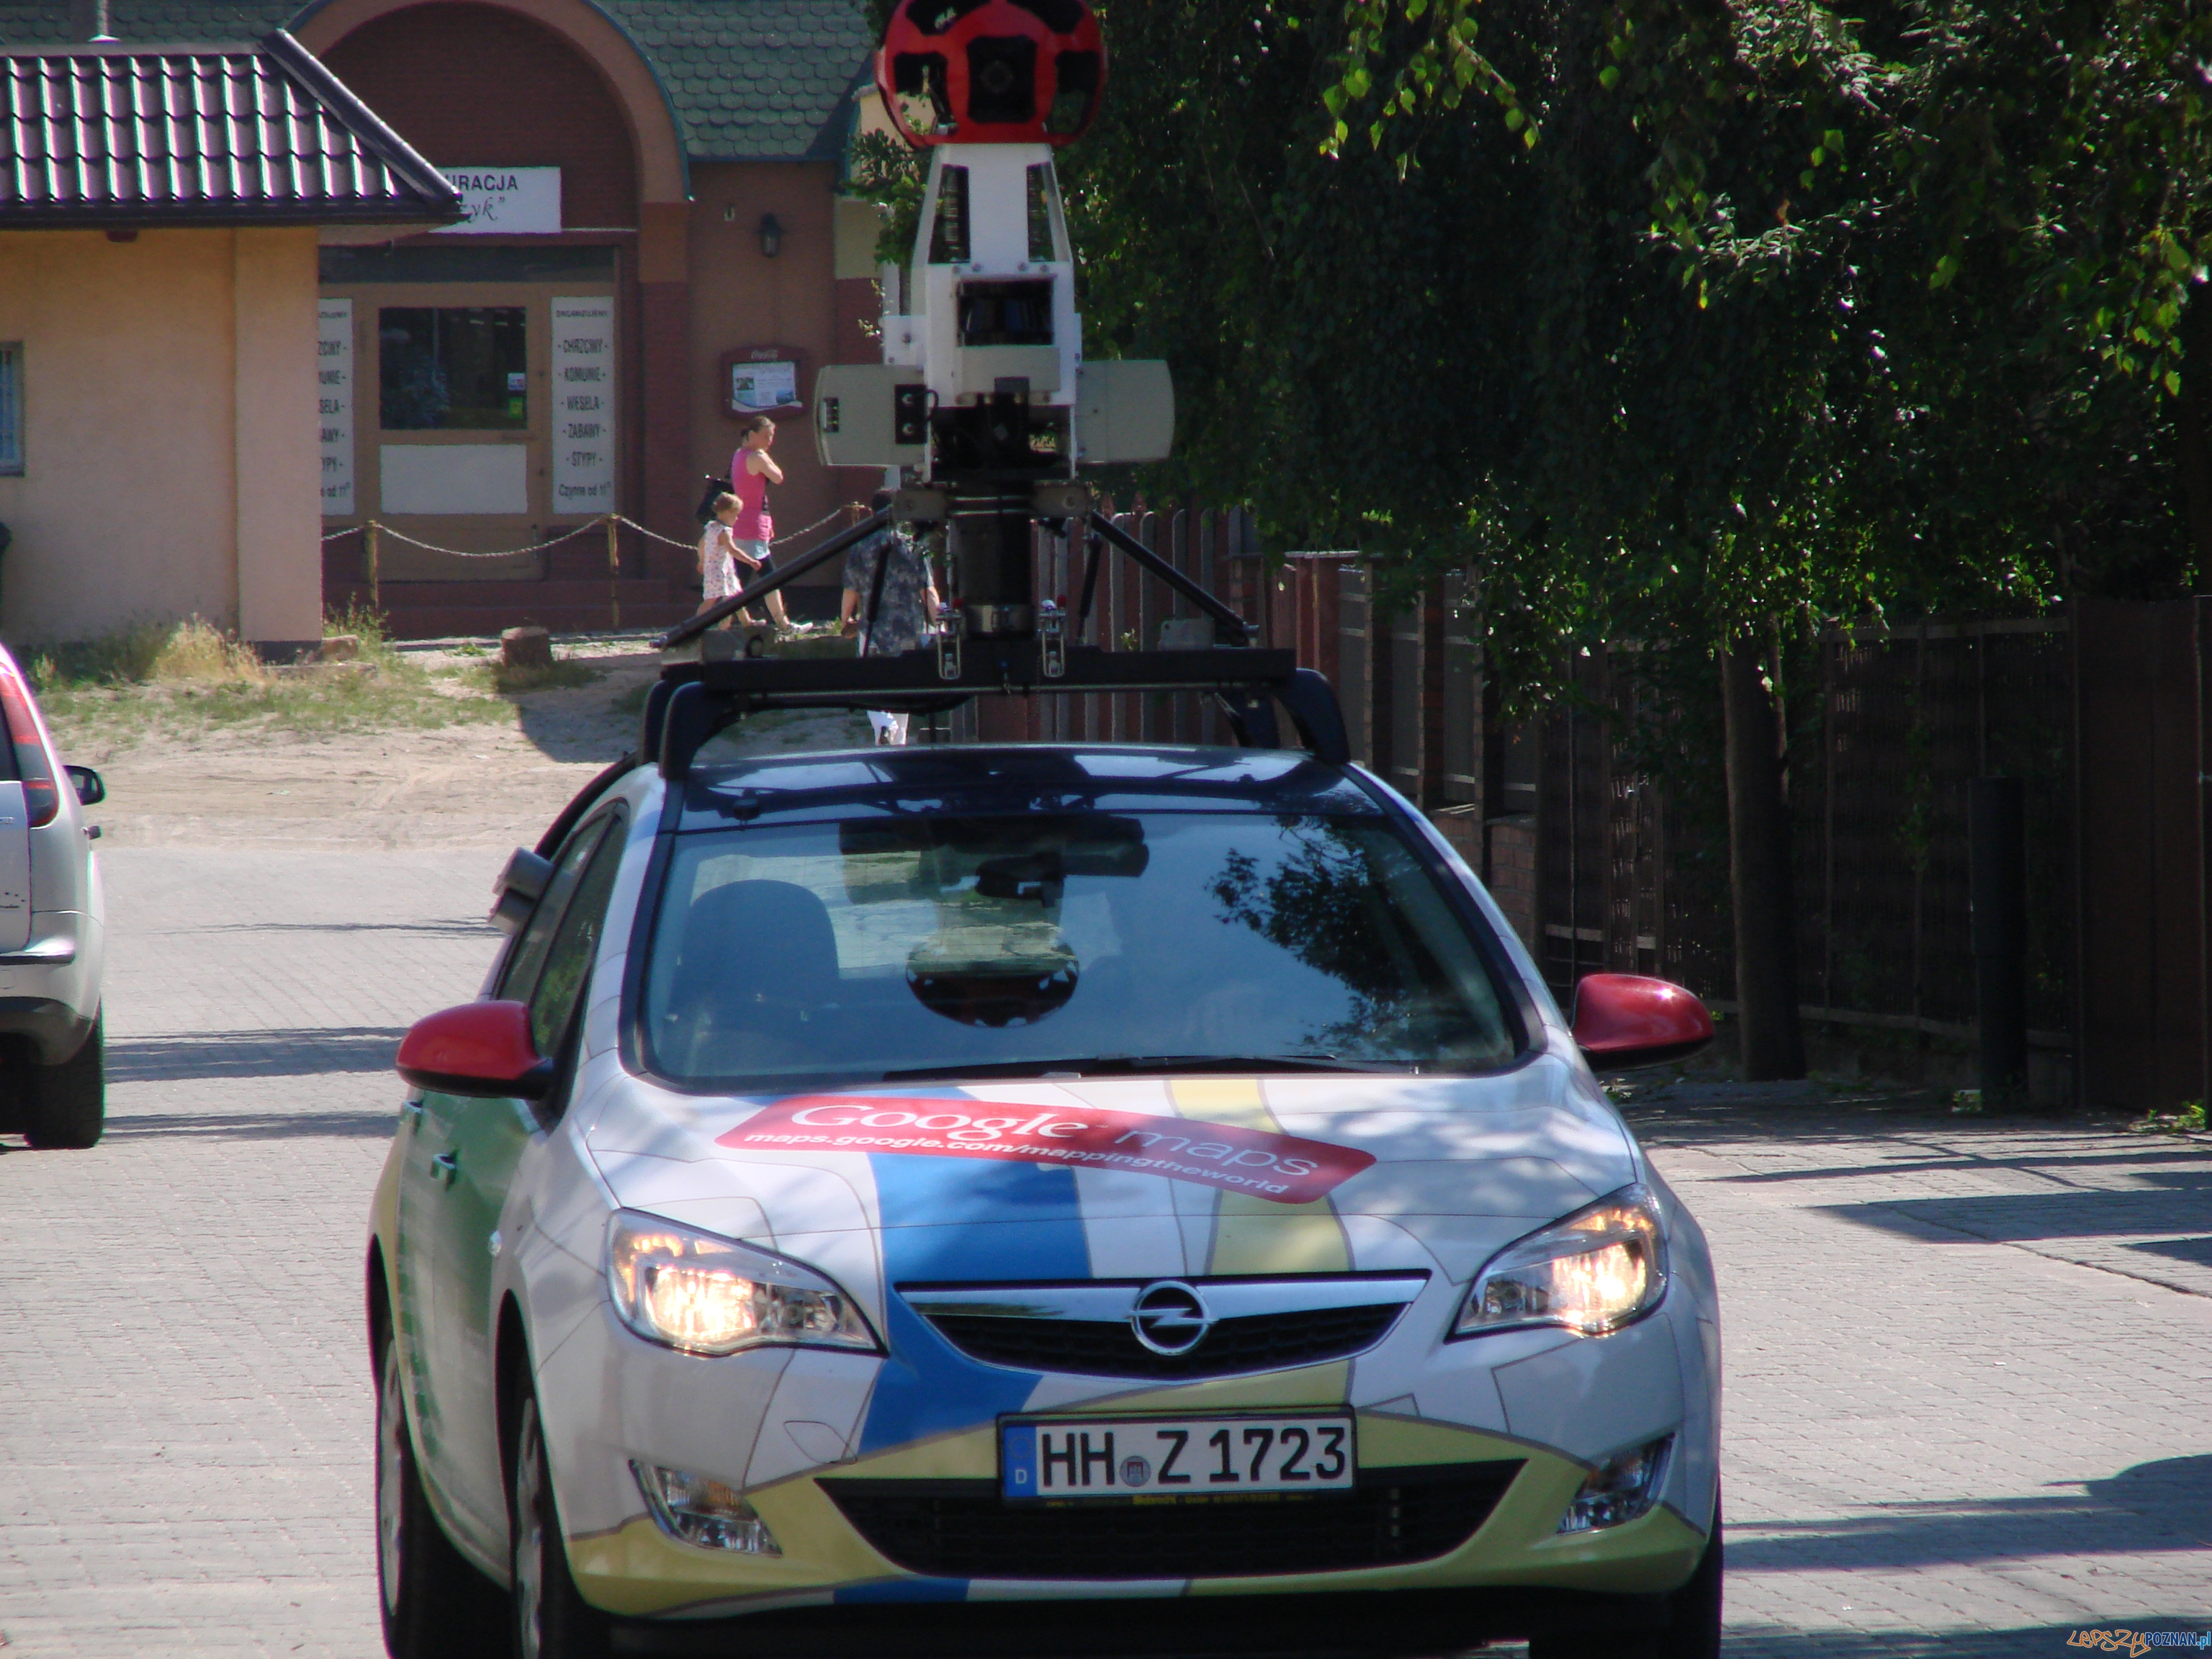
x: 472, y: 1147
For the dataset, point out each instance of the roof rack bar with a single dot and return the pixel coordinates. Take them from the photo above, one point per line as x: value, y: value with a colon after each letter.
x: 693, y: 628
x: 1226, y: 622
x: 709, y: 695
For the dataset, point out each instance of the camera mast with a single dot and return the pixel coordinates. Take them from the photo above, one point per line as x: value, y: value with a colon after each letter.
x: 987, y: 411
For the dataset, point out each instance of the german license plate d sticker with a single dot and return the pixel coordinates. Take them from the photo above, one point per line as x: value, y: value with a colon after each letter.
x: 1107, y: 1458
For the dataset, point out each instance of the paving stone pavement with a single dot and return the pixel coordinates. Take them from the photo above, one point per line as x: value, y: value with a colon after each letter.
x: 1968, y: 1365
x: 1967, y: 1360
x: 185, y: 1404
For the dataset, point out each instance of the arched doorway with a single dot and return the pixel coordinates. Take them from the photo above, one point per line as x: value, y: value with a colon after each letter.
x: 493, y: 368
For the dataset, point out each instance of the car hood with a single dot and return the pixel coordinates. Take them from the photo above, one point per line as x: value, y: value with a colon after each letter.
x: 1135, y: 1177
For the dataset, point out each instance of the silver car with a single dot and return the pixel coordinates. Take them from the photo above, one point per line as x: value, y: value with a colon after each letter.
x: 52, y: 932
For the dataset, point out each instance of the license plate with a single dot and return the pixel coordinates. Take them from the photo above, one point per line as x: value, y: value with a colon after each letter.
x: 1154, y: 1458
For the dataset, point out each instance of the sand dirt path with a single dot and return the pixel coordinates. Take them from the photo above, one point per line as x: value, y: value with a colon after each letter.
x: 483, y: 783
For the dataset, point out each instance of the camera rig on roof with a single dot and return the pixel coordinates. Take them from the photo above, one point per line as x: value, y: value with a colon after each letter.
x: 984, y: 410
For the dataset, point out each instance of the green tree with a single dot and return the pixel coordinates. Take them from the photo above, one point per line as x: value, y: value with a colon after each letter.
x: 1742, y: 316
x: 1684, y: 319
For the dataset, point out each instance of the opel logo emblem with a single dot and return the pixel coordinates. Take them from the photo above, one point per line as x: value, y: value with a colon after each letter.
x: 1169, y: 1318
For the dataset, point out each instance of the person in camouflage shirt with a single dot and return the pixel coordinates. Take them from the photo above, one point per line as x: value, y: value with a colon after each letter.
x: 901, y: 618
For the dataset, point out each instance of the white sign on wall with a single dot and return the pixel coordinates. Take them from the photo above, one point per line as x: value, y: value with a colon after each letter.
x: 584, y: 404
x: 506, y: 201
x: 756, y: 387
x: 334, y: 403
x: 453, y: 478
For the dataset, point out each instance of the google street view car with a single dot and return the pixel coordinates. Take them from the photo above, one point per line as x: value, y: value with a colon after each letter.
x: 985, y: 1199
x: 1031, y: 1199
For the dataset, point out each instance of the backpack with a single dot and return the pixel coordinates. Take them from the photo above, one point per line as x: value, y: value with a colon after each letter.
x: 705, y: 511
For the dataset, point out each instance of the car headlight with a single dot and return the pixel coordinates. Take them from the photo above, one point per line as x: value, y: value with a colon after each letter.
x: 1595, y: 1272
x: 689, y: 1290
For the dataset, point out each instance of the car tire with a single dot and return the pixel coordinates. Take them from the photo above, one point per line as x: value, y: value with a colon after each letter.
x: 432, y: 1600
x: 65, y: 1106
x: 551, y: 1619
x: 1693, y: 1619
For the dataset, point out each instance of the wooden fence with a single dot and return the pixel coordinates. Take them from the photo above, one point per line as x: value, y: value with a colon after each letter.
x: 1600, y: 828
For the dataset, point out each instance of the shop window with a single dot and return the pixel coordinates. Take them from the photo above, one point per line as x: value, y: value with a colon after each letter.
x: 454, y: 368
x: 11, y: 409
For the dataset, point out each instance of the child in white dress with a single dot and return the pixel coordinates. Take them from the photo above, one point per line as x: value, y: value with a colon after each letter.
x: 719, y: 558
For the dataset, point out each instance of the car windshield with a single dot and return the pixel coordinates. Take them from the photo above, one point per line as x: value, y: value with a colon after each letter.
x: 876, y: 948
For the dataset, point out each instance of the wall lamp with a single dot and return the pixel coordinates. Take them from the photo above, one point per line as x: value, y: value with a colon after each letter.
x: 771, y: 235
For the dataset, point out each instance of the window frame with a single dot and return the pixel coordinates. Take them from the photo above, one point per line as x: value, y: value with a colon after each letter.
x: 12, y: 424
x: 606, y: 851
x: 1523, y: 1023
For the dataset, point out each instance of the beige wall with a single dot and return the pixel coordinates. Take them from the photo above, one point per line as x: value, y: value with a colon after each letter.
x: 169, y: 436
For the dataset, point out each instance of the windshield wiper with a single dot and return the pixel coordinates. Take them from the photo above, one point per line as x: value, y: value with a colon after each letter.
x: 1131, y: 1065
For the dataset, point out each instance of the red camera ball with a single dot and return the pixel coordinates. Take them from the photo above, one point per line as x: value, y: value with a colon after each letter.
x: 992, y: 71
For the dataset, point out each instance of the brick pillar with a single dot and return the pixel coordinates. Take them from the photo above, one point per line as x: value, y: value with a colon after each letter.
x: 664, y: 359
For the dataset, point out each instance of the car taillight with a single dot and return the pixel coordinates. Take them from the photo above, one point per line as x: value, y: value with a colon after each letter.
x: 41, y: 795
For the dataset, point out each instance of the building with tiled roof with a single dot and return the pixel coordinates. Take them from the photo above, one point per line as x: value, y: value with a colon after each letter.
x: 653, y: 250
x: 116, y: 136
x: 748, y: 80
x: 161, y: 210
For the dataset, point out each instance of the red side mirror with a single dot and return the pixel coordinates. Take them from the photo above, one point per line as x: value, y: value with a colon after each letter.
x: 480, y: 1048
x: 1624, y: 1020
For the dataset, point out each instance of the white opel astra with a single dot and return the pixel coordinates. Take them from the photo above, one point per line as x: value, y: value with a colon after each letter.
x: 1034, y: 1200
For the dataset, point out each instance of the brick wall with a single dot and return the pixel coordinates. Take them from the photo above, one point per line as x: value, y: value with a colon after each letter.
x: 452, y: 81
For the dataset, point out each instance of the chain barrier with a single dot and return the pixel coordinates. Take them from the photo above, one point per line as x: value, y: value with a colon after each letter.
x: 372, y: 533
x: 385, y: 530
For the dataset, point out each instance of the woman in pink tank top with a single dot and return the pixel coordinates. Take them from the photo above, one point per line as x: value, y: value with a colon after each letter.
x: 751, y: 471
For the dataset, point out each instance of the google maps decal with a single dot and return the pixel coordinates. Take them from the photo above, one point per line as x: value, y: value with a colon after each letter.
x: 1286, y: 1168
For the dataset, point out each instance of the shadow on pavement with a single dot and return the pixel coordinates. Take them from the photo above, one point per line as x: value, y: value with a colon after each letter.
x: 311, y: 1053
x: 2151, y: 1507
x: 2017, y: 1642
x: 252, y: 1126
x: 1962, y: 1161
x: 2175, y: 1201
x: 470, y: 926
x: 2196, y: 1250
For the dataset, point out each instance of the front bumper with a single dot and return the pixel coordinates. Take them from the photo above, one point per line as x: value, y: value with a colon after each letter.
x: 1360, y: 1624
x: 831, y: 1566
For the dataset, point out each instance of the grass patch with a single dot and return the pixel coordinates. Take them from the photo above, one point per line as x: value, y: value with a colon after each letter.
x: 512, y: 682
x: 2185, y: 1119
x: 181, y: 679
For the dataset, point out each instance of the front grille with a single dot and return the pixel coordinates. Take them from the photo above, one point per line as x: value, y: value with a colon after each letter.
x: 1261, y: 1342
x: 964, y: 1529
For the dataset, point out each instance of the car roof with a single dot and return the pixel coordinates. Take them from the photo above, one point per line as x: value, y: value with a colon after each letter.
x: 966, y: 778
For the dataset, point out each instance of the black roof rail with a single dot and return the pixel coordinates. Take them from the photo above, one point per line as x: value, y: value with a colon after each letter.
x: 706, y: 684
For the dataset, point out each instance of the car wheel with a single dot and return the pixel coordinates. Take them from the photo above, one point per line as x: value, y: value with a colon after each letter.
x: 1693, y: 1620
x: 429, y: 1595
x: 552, y: 1620
x: 65, y: 1106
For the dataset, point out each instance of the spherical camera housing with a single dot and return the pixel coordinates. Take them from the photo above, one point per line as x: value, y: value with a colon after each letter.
x: 992, y: 71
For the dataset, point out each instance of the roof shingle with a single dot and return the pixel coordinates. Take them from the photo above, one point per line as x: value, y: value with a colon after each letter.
x: 113, y: 134
x: 721, y: 61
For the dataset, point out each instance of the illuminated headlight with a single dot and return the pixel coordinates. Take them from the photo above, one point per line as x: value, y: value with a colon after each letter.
x: 1620, y: 1489
x: 1593, y: 1272
x: 692, y: 1291
x: 694, y: 1509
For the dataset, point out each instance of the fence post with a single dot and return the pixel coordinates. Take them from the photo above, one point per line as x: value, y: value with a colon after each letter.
x: 1998, y: 860
x: 614, y: 571
x: 368, y: 548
